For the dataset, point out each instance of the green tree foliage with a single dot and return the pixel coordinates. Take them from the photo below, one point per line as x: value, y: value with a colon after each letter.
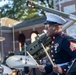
x: 17, y: 9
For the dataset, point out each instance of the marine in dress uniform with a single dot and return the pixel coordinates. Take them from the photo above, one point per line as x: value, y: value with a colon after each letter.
x: 63, y: 47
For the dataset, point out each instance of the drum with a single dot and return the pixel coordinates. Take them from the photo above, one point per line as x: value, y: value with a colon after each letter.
x: 20, y: 61
x: 6, y: 70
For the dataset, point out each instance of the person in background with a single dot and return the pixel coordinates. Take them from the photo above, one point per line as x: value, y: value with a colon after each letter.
x: 63, y: 46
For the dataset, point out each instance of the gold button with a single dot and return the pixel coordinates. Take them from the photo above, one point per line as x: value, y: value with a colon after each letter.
x: 52, y: 55
x: 52, y: 42
x: 51, y: 51
x: 53, y: 60
x: 53, y: 37
x: 51, y: 46
x: 64, y: 69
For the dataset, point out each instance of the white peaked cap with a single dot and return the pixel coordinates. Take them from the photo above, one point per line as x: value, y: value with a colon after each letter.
x: 54, y: 18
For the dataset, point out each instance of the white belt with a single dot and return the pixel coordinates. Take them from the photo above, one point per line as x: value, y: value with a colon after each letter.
x: 62, y: 64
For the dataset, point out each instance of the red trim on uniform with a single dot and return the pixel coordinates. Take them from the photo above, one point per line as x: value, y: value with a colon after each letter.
x: 70, y: 47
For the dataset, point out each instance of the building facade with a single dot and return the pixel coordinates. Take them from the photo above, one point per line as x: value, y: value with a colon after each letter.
x: 69, y: 7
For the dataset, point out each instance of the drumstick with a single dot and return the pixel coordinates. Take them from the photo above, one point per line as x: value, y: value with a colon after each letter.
x: 47, y: 55
x: 32, y: 58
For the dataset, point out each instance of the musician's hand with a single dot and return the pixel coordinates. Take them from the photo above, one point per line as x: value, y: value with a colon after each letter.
x: 41, y: 68
x: 57, y: 69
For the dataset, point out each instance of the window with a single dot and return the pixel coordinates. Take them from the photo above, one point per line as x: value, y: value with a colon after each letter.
x: 72, y: 31
x: 69, y: 9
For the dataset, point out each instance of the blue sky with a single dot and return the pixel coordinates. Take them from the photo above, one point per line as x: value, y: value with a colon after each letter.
x: 3, y: 2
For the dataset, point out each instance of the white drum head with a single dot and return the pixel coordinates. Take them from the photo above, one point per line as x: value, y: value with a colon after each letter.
x: 20, y: 61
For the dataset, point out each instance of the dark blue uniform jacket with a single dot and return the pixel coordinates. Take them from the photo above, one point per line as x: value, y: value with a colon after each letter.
x: 63, y: 51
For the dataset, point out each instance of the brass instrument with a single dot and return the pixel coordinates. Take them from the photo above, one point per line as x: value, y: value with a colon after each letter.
x: 36, y: 49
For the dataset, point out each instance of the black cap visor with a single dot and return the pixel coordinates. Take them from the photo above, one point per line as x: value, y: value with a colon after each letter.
x: 51, y: 23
